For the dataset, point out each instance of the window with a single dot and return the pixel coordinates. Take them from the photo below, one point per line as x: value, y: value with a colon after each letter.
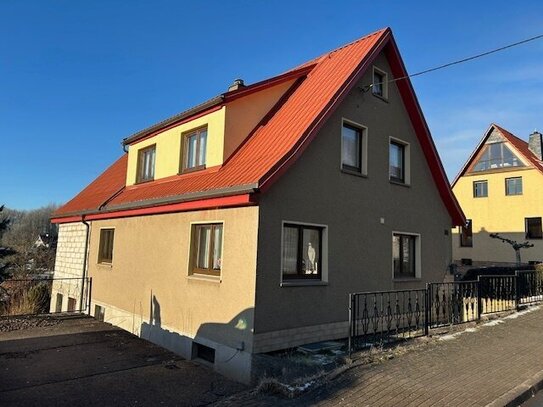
x: 71, y: 304
x: 195, y: 150
x: 397, y: 162
x: 206, y: 251
x: 352, y: 148
x: 496, y: 155
x: 403, y: 254
x: 105, y: 250
x: 302, y: 251
x: 146, y: 164
x: 513, y: 186
x: 480, y: 189
x: 466, y: 234
x: 380, y: 83
x: 58, y: 305
x: 533, y: 228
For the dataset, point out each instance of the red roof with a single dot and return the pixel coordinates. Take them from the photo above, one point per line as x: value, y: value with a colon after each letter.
x: 520, y: 145
x: 322, y: 84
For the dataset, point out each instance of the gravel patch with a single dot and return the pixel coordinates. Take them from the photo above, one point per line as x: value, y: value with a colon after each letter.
x: 9, y: 323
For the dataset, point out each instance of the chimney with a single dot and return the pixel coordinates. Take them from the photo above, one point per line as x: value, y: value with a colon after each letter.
x: 535, y: 144
x: 238, y: 84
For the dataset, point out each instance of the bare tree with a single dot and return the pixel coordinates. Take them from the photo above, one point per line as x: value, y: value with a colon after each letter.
x: 514, y: 244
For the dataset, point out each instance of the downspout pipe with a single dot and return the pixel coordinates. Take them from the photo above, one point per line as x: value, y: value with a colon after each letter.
x: 84, y: 273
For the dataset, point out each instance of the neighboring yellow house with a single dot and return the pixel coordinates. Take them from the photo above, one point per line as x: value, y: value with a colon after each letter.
x: 241, y: 225
x: 500, y: 190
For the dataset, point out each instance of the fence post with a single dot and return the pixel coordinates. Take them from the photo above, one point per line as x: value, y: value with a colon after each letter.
x: 89, y: 288
x: 479, y: 302
x: 427, y: 310
x: 517, y: 291
x: 351, y: 299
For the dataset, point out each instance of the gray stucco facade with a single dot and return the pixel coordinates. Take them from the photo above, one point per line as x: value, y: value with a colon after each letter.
x: 360, y: 214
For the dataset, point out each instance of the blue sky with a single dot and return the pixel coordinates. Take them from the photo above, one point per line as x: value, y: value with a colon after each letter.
x: 76, y: 77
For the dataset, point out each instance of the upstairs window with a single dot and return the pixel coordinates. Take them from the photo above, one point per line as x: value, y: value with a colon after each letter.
x: 302, y: 252
x: 195, y: 144
x: 397, y: 162
x: 480, y: 189
x: 495, y: 156
x: 352, y: 148
x: 466, y: 234
x: 146, y: 164
x: 380, y: 83
x: 206, y: 249
x: 105, y: 248
x: 533, y: 228
x: 513, y: 186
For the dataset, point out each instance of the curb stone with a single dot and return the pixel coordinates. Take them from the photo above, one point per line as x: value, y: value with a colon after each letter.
x: 521, y: 393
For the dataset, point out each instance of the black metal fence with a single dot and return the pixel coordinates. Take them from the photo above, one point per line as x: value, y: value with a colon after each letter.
x: 388, y: 316
x: 44, y: 295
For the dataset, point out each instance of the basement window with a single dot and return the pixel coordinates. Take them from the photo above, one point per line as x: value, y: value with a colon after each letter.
x: 204, y: 353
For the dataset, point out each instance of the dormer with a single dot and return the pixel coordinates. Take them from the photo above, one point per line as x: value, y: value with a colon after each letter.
x: 204, y: 137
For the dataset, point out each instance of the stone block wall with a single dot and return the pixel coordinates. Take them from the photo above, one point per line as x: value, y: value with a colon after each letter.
x: 68, y: 265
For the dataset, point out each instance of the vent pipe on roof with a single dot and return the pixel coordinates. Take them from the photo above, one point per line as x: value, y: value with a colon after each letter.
x: 535, y: 144
x: 238, y: 84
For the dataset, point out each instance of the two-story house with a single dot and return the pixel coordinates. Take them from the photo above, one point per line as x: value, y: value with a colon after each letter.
x: 499, y: 189
x: 240, y: 226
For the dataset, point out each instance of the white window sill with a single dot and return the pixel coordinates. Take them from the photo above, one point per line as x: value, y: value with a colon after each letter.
x: 406, y: 279
x: 105, y: 265
x: 202, y: 277
x: 303, y: 283
x: 402, y: 184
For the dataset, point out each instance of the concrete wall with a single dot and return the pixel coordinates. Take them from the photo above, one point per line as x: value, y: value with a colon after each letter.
x: 148, y: 291
x: 361, y: 213
x: 69, y: 264
x: 499, y: 213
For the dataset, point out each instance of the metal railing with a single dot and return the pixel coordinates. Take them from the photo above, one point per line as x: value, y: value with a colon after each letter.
x: 383, y: 317
x: 44, y: 295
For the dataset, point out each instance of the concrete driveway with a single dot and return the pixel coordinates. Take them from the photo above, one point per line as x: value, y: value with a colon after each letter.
x: 82, y: 362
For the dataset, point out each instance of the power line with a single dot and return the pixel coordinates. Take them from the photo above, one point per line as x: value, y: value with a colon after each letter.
x: 460, y: 61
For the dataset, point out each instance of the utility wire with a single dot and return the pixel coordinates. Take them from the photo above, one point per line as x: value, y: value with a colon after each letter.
x: 460, y: 61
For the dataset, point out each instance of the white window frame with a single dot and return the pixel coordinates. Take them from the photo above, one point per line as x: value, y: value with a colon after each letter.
x: 204, y: 277
x: 384, y: 84
x: 324, y: 257
x: 418, y: 257
x: 407, y: 160
x: 364, y: 145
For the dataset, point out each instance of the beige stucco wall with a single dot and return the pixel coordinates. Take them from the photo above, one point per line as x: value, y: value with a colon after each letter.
x: 69, y: 263
x: 149, y: 275
x: 243, y: 114
x: 315, y: 190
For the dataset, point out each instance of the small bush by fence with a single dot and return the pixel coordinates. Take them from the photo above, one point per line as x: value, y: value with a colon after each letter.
x: 31, y: 296
x: 388, y: 316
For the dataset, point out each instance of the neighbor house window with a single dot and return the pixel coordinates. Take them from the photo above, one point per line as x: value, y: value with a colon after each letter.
x: 105, y: 250
x: 533, y: 228
x: 513, y: 186
x: 480, y: 189
x: 302, y: 251
x: 146, y: 164
x: 206, y: 250
x: 380, y: 85
x: 397, y: 161
x: 404, y: 252
x: 352, y: 148
x: 195, y: 144
x: 466, y: 234
x: 496, y: 155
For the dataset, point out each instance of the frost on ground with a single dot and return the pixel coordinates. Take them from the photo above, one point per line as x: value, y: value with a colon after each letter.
x: 523, y: 312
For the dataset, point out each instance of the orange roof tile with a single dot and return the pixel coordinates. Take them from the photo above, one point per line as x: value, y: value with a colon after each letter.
x: 254, y: 165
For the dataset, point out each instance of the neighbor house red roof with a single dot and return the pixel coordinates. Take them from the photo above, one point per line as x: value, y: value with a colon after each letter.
x: 276, y: 142
x: 520, y: 145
